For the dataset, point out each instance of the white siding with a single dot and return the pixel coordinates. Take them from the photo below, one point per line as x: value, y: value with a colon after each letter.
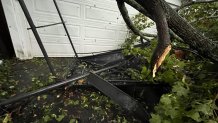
x: 94, y: 25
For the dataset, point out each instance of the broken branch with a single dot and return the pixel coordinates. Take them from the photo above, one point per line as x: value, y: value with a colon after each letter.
x: 125, y: 15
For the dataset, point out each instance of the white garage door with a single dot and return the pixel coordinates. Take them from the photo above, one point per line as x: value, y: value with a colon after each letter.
x: 94, y: 25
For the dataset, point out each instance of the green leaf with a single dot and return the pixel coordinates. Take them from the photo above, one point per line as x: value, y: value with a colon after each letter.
x: 60, y: 117
x: 46, y: 118
x: 155, y: 118
x: 4, y: 93
x: 44, y: 97
x: 73, y: 121
x: 54, y: 115
x: 205, y: 109
x: 194, y: 115
x: 212, y: 121
x: 166, y: 121
x: 7, y: 118
x: 180, y: 90
x: 168, y: 76
x: 172, y: 113
x: 41, y: 84
x: 144, y: 70
x: 165, y: 99
x: 76, y: 102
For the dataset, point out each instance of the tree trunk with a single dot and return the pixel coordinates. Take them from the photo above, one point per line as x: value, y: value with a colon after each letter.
x: 164, y: 43
x: 196, y: 40
x: 205, y: 46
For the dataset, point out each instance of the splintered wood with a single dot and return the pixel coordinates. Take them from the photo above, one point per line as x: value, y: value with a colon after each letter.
x: 160, y: 60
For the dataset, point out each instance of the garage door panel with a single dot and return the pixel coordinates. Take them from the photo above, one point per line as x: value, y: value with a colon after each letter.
x: 99, y: 33
x: 44, y: 6
x: 121, y: 35
x: 99, y: 48
x: 90, y: 33
x: 51, y: 19
x: 56, y: 50
x: 109, y: 5
x: 59, y: 30
x: 70, y: 9
x: 94, y: 41
x: 105, y: 25
x: 56, y: 39
x: 100, y: 14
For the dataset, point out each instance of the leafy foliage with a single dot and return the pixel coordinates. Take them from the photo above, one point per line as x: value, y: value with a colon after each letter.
x: 193, y: 80
x: 204, y: 17
x: 39, y: 83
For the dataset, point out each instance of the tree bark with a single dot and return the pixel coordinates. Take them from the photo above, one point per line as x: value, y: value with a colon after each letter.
x: 163, y: 46
x: 156, y: 11
x: 196, y: 40
x: 205, y: 46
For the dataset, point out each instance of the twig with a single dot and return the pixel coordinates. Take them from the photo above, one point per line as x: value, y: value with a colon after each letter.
x: 195, y: 2
x: 210, y: 17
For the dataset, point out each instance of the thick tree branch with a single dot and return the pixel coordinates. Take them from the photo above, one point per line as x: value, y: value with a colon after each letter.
x: 196, y: 40
x: 173, y: 35
x: 155, y: 9
x: 138, y: 7
x: 163, y: 46
x: 164, y: 16
x: 125, y: 15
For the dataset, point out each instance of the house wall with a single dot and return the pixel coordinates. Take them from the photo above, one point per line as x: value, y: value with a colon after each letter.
x: 94, y: 25
x: 6, y: 47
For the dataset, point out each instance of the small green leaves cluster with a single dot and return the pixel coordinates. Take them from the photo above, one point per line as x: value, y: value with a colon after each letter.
x: 38, y: 82
x: 141, y: 22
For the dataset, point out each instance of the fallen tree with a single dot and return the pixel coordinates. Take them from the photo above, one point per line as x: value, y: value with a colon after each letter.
x: 166, y: 18
x: 193, y: 78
